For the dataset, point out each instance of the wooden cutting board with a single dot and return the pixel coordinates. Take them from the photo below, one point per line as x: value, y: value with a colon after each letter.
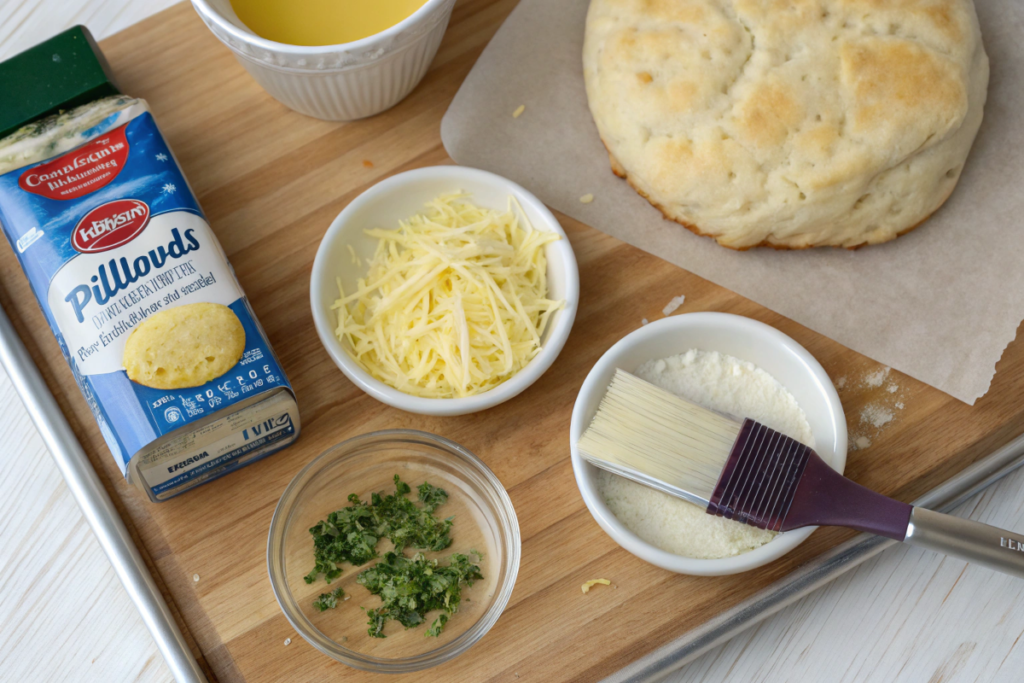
x: 271, y: 181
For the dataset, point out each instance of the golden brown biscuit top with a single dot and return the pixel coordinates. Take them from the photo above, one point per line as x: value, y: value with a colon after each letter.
x: 899, y: 60
x: 720, y: 98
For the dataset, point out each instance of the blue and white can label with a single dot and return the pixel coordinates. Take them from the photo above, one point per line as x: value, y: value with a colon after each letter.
x: 110, y: 234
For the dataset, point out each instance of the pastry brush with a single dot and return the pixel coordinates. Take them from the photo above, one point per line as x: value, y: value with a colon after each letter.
x: 745, y: 471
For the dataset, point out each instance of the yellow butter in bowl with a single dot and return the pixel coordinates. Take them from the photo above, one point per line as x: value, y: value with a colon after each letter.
x: 321, y: 22
x: 454, y: 303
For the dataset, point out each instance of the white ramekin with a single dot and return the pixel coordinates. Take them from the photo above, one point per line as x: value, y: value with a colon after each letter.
x: 775, y: 353
x: 398, y: 198
x: 336, y: 82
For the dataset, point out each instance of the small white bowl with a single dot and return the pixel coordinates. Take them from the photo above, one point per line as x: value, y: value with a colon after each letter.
x: 775, y: 353
x: 405, y: 195
x: 336, y: 82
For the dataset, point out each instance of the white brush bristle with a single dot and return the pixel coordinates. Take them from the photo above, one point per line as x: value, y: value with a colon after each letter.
x: 654, y: 437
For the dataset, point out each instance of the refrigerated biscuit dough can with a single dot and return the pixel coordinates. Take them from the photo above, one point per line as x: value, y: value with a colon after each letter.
x: 162, y: 341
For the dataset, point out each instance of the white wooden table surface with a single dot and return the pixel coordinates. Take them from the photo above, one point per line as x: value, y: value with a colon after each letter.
x: 905, y: 616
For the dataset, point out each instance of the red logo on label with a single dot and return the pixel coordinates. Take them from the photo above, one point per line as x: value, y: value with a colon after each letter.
x: 81, y: 171
x: 110, y: 225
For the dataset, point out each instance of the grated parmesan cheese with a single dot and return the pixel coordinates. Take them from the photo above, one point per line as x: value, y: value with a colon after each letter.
x: 671, y: 306
x: 876, y: 415
x: 876, y: 378
x: 454, y: 303
x: 356, y: 261
x: 593, y: 582
x: 729, y: 385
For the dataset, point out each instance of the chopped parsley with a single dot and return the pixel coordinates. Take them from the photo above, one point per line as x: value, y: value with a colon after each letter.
x: 351, y: 533
x: 328, y: 600
x: 411, y: 587
x: 408, y: 525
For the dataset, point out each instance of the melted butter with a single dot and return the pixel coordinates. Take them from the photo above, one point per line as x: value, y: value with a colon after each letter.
x: 321, y: 22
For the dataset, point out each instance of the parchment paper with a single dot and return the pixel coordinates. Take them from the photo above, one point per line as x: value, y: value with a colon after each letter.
x: 939, y: 304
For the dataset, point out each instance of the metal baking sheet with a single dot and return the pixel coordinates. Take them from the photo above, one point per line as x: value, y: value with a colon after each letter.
x: 97, y: 508
x: 827, y: 567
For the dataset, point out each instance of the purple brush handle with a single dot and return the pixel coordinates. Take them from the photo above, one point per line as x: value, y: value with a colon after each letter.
x: 774, y: 482
x: 823, y: 497
x: 826, y: 498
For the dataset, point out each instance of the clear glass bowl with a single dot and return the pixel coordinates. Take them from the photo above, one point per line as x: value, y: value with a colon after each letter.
x: 484, y: 521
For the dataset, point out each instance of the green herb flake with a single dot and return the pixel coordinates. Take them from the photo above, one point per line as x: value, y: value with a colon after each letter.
x: 351, y: 534
x: 410, y: 588
x: 328, y: 601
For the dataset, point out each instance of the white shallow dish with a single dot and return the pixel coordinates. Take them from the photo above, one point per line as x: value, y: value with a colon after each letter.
x: 336, y: 82
x: 775, y: 353
x: 405, y: 195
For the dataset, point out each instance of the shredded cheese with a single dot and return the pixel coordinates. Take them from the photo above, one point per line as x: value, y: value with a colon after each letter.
x: 519, y: 111
x: 671, y: 306
x: 593, y: 582
x: 454, y: 303
x: 587, y: 198
x: 356, y: 261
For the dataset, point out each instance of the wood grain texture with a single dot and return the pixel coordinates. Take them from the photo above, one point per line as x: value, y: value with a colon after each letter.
x: 271, y: 181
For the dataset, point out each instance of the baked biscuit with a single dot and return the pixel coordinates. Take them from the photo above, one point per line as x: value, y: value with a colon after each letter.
x: 186, y: 346
x: 788, y: 123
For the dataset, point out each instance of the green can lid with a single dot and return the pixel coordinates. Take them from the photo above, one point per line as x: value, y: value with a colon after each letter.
x: 61, y: 73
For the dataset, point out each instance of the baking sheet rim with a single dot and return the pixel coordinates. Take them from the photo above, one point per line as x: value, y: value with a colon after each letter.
x: 813, y: 575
